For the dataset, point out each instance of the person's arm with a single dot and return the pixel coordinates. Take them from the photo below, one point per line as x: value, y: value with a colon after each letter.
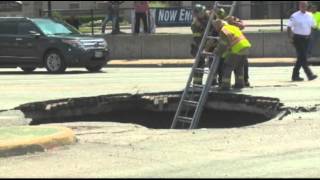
x: 235, y: 22
x: 223, y: 45
x: 240, y: 23
x: 289, y: 30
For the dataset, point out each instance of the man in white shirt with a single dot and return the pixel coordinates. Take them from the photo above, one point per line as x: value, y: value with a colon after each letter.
x: 299, y: 31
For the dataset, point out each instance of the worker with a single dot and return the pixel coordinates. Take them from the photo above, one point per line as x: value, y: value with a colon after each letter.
x: 232, y: 20
x: 198, y: 27
x: 233, y: 47
x: 315, y: 34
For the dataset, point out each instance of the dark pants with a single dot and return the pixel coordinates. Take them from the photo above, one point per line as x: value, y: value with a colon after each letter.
x: 301, y: 44
x: 142, y: 16
x: 105, y: 22
x: 313, y: 41
x: 198, y: 76
x: 246, y: 70
x: 233, y: 62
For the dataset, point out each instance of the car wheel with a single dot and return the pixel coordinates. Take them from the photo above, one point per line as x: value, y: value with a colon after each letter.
x: 96, y: 68
x: 54, y: 62
x: 28, y: 69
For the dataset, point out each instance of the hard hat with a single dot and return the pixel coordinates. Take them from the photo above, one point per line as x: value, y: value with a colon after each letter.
x: 221, y: 13
x: 198, y: 8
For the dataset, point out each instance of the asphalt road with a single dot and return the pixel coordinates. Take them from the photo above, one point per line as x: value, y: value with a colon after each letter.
x: 277, y: 148
x: 17, y: 87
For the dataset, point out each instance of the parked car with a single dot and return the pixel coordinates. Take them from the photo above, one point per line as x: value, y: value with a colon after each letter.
x: 29, y: 43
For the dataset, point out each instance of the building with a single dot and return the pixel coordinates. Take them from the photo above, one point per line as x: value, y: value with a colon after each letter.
x: 20, y: 8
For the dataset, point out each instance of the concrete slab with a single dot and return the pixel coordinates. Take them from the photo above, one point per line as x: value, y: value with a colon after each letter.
x: 19, y: 140
x: 13, y: 118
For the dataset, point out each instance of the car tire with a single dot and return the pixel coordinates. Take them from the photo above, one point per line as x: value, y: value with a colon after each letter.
x: 96, y: 68
x: 28, y: 69
x: 54, y: 62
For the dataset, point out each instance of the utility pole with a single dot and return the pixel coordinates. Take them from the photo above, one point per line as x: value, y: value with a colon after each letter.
x: 49, y: 9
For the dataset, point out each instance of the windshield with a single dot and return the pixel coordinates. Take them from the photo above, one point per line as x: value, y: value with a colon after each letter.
x: 52, y: 27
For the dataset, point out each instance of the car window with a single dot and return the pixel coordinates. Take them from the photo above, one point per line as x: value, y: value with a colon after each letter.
x: 51, y: 27
x: 25, y: 28
x: 8, y: 28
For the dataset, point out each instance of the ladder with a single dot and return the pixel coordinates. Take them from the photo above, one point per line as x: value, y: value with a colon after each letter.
x: 191, y: 104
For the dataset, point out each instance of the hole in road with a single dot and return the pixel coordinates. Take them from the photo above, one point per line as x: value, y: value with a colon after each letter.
x: 163, y: 120
x: 154, y: 110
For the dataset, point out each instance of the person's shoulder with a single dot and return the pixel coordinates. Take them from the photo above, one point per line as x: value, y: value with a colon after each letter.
x: 297, y: 13
x: 309, y: 14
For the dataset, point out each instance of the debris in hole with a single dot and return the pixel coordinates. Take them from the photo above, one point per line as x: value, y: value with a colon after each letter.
x: 290, y: 110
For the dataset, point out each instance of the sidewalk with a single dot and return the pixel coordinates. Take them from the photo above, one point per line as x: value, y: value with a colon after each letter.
x: 254, y: 62
x: 19, y: 140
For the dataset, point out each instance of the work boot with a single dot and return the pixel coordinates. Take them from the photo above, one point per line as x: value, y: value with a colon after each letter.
x: 312, y: 77
x: 297, y: 79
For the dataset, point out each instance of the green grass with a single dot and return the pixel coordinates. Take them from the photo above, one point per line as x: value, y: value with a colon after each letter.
x: 158, y: 4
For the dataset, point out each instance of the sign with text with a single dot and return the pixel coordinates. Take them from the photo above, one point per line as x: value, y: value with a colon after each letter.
x: 173, y: 17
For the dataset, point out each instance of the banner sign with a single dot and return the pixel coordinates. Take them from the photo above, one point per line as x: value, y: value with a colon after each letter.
x: 173, y: 17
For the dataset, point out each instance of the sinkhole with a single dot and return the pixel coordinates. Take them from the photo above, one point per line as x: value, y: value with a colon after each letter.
x: 154, y: 110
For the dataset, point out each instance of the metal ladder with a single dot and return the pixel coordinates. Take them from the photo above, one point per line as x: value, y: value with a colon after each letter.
x: 190, y: 106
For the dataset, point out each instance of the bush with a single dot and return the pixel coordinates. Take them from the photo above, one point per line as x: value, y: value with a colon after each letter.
x: 57, y: 15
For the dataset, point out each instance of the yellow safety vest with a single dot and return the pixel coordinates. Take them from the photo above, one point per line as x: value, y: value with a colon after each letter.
x: 237, y: 40
x: 316, y: 17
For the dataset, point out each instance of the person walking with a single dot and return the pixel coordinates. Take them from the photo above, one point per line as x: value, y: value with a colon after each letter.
x: 299, y: 30
x: 141, y: 13
x: 113, y: 8
x: 109, y: 17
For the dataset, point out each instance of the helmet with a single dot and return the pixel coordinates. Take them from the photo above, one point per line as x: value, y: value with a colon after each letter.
x: 221, y: 13
x: 198, y: 8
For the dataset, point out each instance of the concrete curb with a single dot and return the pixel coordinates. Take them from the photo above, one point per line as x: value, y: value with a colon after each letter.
x: 24, y: 144
x: 253, y: 62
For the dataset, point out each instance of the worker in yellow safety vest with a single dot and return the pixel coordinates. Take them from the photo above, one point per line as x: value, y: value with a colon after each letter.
x: 315, y: 35
x: 233, y: 47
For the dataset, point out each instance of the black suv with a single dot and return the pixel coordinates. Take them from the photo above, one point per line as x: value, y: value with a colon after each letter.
x: 29, y: 43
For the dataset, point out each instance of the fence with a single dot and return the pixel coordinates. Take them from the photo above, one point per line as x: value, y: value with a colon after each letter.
x: 254, y: 10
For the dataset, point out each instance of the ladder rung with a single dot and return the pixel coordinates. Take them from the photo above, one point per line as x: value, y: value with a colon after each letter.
x: 201, y: 70
x: 207, y: 54
x: 184, y: 119
x: 213, y: 37
x: 224, y: 5
x: 198, y: 86
x: 191, y: 103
